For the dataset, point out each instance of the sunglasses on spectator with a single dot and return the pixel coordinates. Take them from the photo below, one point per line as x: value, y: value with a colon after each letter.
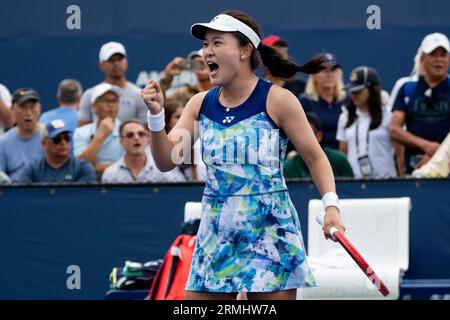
x: 108, y: 101
x: 61, y: 137
x: 131, y: 134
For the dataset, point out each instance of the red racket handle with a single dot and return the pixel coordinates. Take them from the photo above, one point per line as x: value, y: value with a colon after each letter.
x: 360, y: 261
x: 356, y: 256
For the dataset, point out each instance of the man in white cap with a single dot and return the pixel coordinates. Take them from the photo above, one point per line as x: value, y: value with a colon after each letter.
x: 113, y: 62
x: 99, y: 142
x: 423, y: 105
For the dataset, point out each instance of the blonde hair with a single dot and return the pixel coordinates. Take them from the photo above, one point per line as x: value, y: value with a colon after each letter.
x: 339, y: 92
x: 417, y: 69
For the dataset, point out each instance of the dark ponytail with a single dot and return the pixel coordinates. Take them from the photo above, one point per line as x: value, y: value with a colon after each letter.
x: 271, y: 58
x: 281, y: 67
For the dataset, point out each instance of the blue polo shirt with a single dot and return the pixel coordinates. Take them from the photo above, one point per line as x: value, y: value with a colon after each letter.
x: 110, y: 151
x: 426, y: 115
x: 16, y: 153
x: 73, y: 170
x: 328, y: 114
x: 69, y: 115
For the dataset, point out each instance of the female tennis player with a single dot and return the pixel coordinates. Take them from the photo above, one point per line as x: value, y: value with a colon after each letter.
x: 249, y: 238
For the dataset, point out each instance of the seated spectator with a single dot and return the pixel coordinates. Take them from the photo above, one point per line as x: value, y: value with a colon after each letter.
x: 22, y: 145
x: 325, y: 96
x: 68, y: 96
x: 99, y: 142
x: 193, y: 63
x: 295, y: 167
x: 6, y: 118
x: 439, y: 164
x: 114, y: 64
x: 137, y: 164
x: 294, y: 84
x: 363, y: 129
x: 57, y: 165
x: 423, y: 105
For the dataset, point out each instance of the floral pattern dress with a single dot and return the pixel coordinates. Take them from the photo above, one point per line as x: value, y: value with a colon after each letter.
x: 249, y: 239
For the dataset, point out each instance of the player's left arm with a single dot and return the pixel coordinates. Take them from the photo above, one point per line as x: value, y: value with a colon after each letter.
x: 286, y: 111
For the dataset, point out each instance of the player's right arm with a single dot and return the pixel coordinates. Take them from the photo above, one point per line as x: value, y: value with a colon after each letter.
x: 167, y: 149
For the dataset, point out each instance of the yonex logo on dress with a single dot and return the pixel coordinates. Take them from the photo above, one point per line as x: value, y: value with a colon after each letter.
x: 232, y: 145
x: 228, y: 119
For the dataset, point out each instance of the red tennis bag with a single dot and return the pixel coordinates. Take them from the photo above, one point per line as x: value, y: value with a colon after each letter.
x: 171, y: 277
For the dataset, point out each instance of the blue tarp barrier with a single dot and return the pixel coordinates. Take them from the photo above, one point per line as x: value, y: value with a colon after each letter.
x: 46, y: 229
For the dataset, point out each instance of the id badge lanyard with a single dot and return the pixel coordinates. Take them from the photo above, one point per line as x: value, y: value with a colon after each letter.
x: 363, y: 160
x: 357, y: 140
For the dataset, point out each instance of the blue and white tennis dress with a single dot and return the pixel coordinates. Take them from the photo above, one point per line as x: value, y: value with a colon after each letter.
x: 249, y: 238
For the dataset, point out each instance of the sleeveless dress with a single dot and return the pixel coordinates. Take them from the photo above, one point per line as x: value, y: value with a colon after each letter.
x: 249, y: 239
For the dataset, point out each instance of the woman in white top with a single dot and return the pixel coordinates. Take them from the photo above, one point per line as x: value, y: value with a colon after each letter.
x: 363, y: 128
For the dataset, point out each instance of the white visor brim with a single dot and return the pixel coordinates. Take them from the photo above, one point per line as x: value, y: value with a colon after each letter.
x: 225, y: 23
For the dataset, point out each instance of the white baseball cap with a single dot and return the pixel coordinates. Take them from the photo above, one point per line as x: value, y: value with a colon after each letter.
x: 110, y: 48
x: 433, y: 41
x: 225, y: 23
x: 103, y: 88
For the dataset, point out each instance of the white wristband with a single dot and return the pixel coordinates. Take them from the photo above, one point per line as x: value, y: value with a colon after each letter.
x: 156, y: 122
x: 330, y: 199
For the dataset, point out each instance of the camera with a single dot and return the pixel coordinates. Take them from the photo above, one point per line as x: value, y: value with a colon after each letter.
x: 189, y: 65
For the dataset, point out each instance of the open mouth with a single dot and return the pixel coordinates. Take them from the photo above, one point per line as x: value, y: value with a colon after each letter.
x: 213, y: 67
x: 136, y: 145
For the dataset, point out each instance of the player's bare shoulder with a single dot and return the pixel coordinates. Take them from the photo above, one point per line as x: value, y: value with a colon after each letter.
x: 281, y: 102
x: 194, y: 104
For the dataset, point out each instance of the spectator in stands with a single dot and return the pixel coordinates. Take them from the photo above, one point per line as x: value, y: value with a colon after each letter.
x: 99, y: 142
x: 6, y: 117
x: 294, y: 84
x: 68, y: 96
x: 134, y: 165
x: 414, y: 76
x: 114, y: 64
x: 194, y: 63
x: 423, y: 105
x: 363, y: 128
x: 137, y: 164
x: 325, y: 96
x: 295, y: 167
x: 57, y: 165
x: 22, y: 145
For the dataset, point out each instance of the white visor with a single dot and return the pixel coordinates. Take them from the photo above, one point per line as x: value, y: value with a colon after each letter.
x: 225, y: 23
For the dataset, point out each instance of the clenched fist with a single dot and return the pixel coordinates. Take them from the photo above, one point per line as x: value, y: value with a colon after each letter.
x: 105, y: 127
x: 153, y: 97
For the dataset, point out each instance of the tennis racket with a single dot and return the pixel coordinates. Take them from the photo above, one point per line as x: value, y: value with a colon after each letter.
x: 357, y: 257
